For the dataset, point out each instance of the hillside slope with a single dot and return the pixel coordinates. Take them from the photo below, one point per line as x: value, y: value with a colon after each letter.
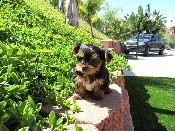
x: 35, y: 60
x: 49, y: 10
x: 34, y: 37
x: 35, y: 44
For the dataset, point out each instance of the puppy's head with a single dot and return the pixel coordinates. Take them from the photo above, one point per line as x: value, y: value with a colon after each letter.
x: 90, y: 58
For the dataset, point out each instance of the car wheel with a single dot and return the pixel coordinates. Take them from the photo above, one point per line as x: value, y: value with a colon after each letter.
x: 146, y: 52
x: 161, y: 51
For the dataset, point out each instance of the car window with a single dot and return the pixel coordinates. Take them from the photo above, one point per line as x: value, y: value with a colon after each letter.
x: 153, y: 38
x: 141, y: 37
x: 158, y: 38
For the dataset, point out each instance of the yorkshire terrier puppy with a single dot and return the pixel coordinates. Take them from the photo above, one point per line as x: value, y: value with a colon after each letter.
x: 90, y: 73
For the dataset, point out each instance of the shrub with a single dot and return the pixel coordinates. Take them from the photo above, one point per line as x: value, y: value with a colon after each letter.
x: 35, y: 59
x: 170, y: 40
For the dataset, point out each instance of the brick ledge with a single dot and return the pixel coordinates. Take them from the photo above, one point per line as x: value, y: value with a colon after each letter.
x: 110, y: 114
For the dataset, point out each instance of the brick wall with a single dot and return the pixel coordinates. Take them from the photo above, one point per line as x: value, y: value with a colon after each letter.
x: 109, y: 114
x: 116, y: 46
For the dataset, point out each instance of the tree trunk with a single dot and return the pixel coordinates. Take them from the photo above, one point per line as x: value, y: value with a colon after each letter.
x: 90, y: 22
x: 72, y: 14
x: 62, y: 8
x: 58, y: 4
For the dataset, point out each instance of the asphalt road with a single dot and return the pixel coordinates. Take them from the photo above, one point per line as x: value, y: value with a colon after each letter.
x: 154, y: 65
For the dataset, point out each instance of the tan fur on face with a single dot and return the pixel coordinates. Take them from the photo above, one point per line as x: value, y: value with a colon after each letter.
x: 80, y: 54
x: 90, y: 69
x: 79, y: 67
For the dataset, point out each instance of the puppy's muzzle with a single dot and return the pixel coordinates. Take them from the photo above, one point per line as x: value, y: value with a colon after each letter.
x: 84, y: 68
x: 84, y: 65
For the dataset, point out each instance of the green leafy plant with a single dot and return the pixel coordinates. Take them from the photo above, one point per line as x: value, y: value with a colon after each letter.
x: 54, y: 123
x: 36, y: 64
x: 118, y: 63
x: 3, y: 116
x: 78, y: 128
x: 170, y: 40
x: 18, y: 115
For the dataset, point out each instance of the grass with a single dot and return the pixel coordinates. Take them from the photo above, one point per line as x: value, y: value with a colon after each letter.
x: 152, y: 102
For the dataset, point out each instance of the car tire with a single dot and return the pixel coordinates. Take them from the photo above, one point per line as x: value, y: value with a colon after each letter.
x: 146, y: 52
x: 161, y: 51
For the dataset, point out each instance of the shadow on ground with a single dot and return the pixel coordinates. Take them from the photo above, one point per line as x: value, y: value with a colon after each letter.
x: 143, y: 114
x: 132, y: 56
x: 108, y: 101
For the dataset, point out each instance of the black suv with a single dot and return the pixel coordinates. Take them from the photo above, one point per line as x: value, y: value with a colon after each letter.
x: 146, y: 43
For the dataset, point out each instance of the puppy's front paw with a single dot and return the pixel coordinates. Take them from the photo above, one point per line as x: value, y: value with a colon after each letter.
x: 98, y: 95
x: 76, y: 97
x: 108, y: 91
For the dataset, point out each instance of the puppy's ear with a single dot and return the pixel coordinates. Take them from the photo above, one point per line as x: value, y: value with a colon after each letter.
x: 108, y: 55
x: 75, y: 48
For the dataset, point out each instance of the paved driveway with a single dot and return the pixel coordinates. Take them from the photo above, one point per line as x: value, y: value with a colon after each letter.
x: 154, y: 65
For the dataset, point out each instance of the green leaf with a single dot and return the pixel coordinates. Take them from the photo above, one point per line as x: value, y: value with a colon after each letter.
x: 24, y: 86
x: 38, y: 127
x: 3, y: 47
x: 13, y: 112
x: 24, y: 129
x: 69, y: 119
x: 52, y: 119
x: 12, y: 88
x: 31, y: 100
x: 15, y: 76
x: 78, y: 128
x: 74, y: 107
x: 9, y: 69
x: 32, y: 103
x: 22, y: 107
x: 4, y: 118
x: 3, y: 127
x: 2, y: 105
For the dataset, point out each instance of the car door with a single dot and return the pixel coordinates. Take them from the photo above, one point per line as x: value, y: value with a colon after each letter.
x: 153, y: 42
x: 158, y: 43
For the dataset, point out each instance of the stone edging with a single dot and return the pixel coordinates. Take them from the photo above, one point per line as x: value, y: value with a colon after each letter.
x: 110, y: 114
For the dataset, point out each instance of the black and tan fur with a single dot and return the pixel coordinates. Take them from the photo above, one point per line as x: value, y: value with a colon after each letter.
x: 90, y: 73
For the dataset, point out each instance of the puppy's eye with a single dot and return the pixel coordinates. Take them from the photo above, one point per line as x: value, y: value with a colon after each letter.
x: 88, y: 56
x: 95, y: 63
x: 79, y: 58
